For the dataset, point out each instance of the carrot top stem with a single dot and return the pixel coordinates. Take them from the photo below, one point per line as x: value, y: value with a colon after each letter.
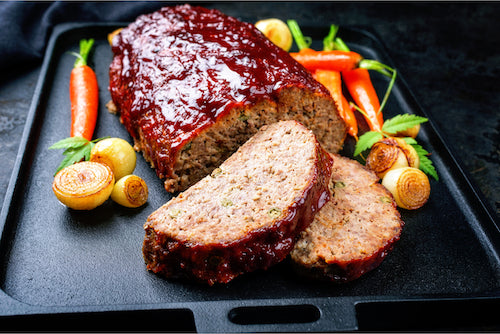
x: 368, y: 64
x: 303, y: 42
x: 340, y: 44
x: 329, y: 40
x: 385, y: 70
x: 375, y: 65
x: 85, y: 46
x: 361, y: 111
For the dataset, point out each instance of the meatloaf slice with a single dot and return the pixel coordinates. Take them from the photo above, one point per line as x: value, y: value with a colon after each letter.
x: 247, y: 214
x: 354, y: 231
x: 192, y: 85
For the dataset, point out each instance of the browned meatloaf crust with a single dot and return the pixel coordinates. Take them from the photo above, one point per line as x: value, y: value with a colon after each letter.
x: 247, y: 214
x: 193, y: 84
x: 354, y: 231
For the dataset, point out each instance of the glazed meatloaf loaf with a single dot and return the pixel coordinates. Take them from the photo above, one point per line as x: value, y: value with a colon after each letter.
x: 192, y: 85
x: 354, y: 231
x: 247, y: 214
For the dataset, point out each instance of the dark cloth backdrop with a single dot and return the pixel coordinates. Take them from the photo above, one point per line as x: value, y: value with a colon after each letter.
x: 26, y: 27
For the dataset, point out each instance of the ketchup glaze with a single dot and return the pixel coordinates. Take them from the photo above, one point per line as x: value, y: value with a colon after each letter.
x: 176, y: 71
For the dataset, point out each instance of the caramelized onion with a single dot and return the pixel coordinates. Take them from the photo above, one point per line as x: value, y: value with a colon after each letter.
x: 117, y: 153
x: 84, y: 185
x: 410, y: 153
x: 409, y: 186
x: 389, y: 154
x: 277, y: 32
x: 130, y: 191
x: 385, y: 156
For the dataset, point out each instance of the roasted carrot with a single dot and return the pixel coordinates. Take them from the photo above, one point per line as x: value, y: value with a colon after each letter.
x: 359, y: 84
x: 336, y: 56
x: 83, y: 92
x: 334, y: 60
x: 334, y: 85
x: 360, y: 87
x: 331, y: 80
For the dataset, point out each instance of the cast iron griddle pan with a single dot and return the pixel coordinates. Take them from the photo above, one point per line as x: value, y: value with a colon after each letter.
x: 84, y: 270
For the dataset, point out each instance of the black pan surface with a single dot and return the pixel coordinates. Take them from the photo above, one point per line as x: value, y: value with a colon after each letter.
x: 78, y: 267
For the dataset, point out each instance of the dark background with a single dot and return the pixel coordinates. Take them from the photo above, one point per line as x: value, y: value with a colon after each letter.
x: 447, y: 52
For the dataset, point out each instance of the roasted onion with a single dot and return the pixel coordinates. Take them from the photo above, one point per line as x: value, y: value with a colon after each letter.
x: 130, y: 191
x: 409, y: 186
x: 384, y: 156
x: 389, y: 154
x: 277, y: 32
x: 410, y: 153
x: 84, y: 185
x: 117, y: 153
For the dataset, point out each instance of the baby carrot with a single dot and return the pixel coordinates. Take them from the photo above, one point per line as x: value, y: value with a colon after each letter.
x: 337, y: 57
x: 360, y: 87
x: 83, y: 92
x: 327, y: 70
x: 334, y: 60
x: 331, y: 80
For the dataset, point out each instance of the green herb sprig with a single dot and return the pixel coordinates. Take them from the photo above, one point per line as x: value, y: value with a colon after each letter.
x: 390, y: 128
x: 76, y: 149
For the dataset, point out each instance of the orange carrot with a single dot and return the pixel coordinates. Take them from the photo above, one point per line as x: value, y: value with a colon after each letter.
x: 336, y: 56
x: 360, y: 87
x: 83, y: 91
x: 333, y: 60
x: 331, y: 80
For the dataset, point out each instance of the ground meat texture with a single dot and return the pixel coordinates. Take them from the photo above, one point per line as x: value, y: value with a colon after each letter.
x: 193, y: 84
x: 354, y: 231
x: 247, y: 214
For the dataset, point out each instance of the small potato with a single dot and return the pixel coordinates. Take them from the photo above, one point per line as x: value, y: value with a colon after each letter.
x: 130, y: 191
x: 117, y: 153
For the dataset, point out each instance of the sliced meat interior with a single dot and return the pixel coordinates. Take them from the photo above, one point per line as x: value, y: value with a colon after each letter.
x: 354, y: 231
x: 247, y: 214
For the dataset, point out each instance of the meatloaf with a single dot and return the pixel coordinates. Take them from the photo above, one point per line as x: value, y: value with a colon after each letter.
x: 192, y: 85
x: 354, y: 231
x: 247, y: 214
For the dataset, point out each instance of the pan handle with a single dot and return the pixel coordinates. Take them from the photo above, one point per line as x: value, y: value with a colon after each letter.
x: 317, y: 315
